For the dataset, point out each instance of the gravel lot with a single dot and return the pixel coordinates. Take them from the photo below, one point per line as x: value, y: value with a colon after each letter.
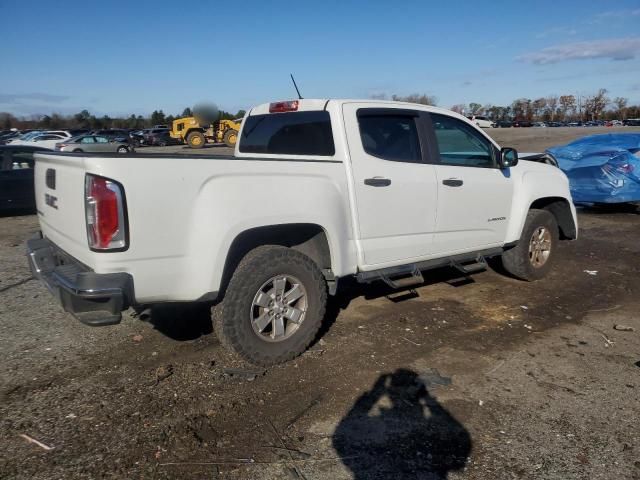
x: 488, y: 378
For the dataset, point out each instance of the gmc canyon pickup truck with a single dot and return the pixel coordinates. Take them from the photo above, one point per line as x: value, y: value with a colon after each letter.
x: 317, y: 190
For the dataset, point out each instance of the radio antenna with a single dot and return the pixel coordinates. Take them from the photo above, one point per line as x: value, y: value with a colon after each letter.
x: 295, y: 85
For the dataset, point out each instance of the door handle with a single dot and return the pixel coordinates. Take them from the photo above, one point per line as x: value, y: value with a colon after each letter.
x: 377, y: 182
x: 452, y: 182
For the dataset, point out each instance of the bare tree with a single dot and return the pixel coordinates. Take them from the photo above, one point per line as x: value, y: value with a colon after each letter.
x: 552, y: 106
x: 595, y: 104
x: 422, y: 99
x: 522, y: 109
x: 458, y: 108
x: 621, y: 104
x: 567, y: 105
x: 537, y: 107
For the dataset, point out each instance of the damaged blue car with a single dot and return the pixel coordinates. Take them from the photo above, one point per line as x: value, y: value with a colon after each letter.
x: 601, y: 168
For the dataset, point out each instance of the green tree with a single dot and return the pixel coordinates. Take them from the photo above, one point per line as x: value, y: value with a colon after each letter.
x: 158, y: 118
x: 187, y: 112
x: 83, y: 119
x: 474, y: 109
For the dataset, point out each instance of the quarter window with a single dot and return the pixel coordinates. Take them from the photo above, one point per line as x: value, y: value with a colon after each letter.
x: 390, y: 136
x: 459, y: 143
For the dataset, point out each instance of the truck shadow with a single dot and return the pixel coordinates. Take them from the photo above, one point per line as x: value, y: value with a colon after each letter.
x: 180, y: 321
x: 17, y: 212
x: 350, y: 290
x: 610, y: 209
x: 398, y: 430
x: 190, y: 321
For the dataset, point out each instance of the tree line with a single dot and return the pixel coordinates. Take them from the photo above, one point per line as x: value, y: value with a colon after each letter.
x: 565, y: 108
x: 85, y: 119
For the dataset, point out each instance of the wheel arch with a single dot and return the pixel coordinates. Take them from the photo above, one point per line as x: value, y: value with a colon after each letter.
x: 560, y: 208
x: 309, y: 239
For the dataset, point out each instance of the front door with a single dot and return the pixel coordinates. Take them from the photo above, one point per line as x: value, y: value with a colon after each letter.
x: 395, y: 188
x: 474, y: 195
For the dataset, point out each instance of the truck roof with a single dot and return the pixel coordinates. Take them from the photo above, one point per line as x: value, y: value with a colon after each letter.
x: 310, y: 104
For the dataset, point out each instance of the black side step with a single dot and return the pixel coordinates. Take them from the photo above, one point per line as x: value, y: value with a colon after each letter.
x: 411, y: 274
x: 413, y: 277
x: 472, y: 267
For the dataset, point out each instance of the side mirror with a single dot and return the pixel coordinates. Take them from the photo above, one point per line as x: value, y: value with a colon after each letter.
x: 508, y: 157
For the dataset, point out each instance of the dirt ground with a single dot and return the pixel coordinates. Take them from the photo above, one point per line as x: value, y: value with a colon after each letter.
x: 481, y: 378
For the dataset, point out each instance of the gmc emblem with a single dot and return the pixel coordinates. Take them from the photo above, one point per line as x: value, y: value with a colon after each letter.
x: 51, y: 200
x: 50, y: 178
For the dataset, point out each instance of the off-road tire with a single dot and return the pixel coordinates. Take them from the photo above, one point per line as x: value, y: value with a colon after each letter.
x: 232, y: 319
x: 516, y: 260
x: 196, y: 140
x: 230, y: 138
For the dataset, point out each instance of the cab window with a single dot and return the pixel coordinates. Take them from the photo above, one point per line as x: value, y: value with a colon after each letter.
x: 390, y: 136
x: 460, y: 144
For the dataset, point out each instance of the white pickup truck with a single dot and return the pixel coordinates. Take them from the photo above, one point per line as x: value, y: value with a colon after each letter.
x: 317, y: 190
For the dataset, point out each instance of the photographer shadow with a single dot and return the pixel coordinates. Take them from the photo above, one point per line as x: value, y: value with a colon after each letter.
x: 398, y: 430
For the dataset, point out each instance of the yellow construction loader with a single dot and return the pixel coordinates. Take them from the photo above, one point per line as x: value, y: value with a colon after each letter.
x: 195, y: 134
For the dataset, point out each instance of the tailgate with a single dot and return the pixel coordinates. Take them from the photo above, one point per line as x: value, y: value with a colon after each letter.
x: 59, y: 187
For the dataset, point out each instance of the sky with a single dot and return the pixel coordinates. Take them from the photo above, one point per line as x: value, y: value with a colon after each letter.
x: 120, y: 57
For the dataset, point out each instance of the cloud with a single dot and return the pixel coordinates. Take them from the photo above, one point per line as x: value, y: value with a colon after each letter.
x: 612, y: 14
x: 614, y: 48
x: 19, y: 98
x: 557, y: 31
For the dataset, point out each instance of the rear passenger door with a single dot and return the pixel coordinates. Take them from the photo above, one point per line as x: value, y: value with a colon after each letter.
x: 103, y: 144
x: 474, y: 195
x: 394, y: 185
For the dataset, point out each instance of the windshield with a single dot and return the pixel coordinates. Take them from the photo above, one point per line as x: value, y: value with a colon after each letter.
x: 29, y: 135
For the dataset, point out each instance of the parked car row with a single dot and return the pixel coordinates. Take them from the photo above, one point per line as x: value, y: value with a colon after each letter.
x: 158, y: 135
x: 592, y: 123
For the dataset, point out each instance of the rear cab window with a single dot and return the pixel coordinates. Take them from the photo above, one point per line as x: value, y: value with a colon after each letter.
x: 290, y: 133
x: 390, y: 134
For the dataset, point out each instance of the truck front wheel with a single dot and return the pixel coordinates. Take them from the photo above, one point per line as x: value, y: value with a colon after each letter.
x: 273, y: 306
x: 532, y: 258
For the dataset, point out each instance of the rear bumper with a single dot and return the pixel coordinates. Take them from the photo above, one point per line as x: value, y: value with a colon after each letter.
x: 93, y: 298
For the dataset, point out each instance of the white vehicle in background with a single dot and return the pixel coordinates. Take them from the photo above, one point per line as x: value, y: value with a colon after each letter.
x: 25, y: 138
x: 47, y: 140
x: 317, y: 191
x: 41, y: 138
x: 481, y: 121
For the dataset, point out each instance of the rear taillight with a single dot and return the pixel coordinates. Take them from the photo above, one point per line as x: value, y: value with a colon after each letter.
x: 280, y: 107
x: 105, y: 214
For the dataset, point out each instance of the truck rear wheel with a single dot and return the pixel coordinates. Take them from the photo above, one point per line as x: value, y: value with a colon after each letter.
x: 196, y: 140
x: 230, y: 137
x: 273, y: 306
x: 532, y: 258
